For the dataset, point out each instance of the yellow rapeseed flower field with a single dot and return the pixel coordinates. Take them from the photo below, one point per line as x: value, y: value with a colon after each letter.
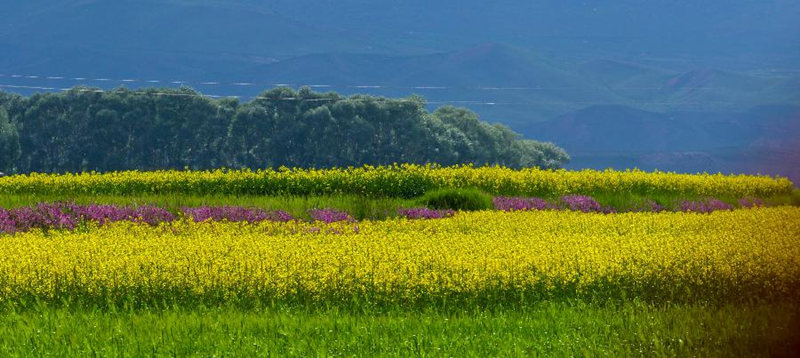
x: 405, y: 180
x: 741, y: 253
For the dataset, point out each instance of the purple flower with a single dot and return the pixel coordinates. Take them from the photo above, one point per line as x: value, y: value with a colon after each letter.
x: 235, y: 214
x: 505, y: 203
x: 649, y: 206
x: 27, y: 218
x: 43, y: 215
x: 425, y: 213
x: 103, y: 213
x: 152, y: 215
x: 54, y: 216
x: 67, y: 216
x: 329, y: 215
x: 706, y: 206
x: 654, y: 206
x: 752, y: 203
x: 584, y: 203
x: 7, y: 223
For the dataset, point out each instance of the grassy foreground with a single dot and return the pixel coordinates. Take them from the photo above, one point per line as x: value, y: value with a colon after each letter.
x: 360, y: 207
x: 549, y: 283
x: 545, y: 329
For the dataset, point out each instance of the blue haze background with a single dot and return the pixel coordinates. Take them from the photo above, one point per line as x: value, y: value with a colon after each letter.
x: 672, y: 85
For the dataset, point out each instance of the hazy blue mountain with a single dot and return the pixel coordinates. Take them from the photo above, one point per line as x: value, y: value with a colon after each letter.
x: 155, y: 38
x: 537, y: 88
x: 528, y: 87
x: 202, y: 28
x: 683, y: 33
x: 762, y: 139
x: 647, y: 29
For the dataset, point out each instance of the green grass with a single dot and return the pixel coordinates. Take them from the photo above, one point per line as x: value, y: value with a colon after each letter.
x: 791, y: 199
x: 359, y: 207
x: 544, y: 329
x: 628, y: 201
x: 468, y: 199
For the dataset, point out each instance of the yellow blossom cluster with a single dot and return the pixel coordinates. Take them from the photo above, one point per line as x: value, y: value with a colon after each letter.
x: 726, y: 253
x: 405, y: 180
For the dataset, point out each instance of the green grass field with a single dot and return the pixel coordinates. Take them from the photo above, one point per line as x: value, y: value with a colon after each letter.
x: 298, y: 206
x: 545, y: 329
x: 359, y: 207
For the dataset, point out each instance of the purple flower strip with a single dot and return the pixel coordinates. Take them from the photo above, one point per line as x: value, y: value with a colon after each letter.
x: 425, y: 213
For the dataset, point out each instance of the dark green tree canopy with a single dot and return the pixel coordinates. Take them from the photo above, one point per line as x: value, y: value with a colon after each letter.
x: 9, y: 143
x: 81, y: 130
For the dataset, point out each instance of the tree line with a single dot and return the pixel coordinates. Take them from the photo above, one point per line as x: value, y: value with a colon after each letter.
x: 84, y: 130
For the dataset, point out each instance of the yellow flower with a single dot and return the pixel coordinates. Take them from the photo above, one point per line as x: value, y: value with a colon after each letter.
x: 750, y: 252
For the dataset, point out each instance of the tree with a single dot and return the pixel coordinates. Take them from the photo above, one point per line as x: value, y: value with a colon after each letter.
x: 9, y: 143
x: 528, y: 153
x: 162, y: 128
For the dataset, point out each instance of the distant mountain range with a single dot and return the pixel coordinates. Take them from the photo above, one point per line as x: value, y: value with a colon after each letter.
x: 763, y: 139
x: 527, y: 87
x: 738, y: 33
x: 678, y: 85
